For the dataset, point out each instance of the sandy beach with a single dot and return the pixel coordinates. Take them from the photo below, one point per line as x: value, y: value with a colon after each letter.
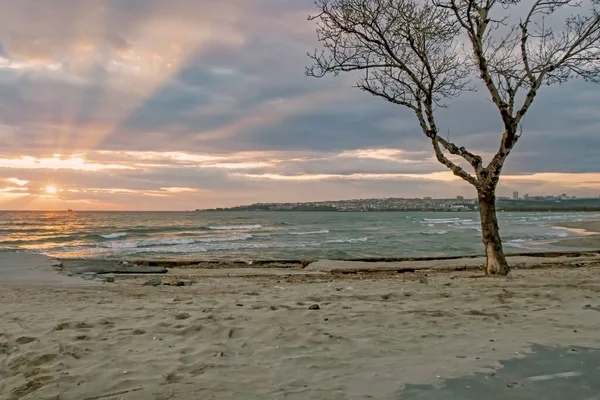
x: 256, y: 333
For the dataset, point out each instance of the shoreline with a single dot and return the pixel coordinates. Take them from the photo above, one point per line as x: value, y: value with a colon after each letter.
x: 291, y: 263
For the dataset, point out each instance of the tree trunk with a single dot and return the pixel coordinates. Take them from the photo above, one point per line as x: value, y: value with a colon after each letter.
x: 495, y: 260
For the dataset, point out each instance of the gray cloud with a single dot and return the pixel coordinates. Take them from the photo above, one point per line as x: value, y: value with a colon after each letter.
x: 221, y: 77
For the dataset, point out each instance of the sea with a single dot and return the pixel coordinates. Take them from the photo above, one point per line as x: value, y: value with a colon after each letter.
x: 273, y: 235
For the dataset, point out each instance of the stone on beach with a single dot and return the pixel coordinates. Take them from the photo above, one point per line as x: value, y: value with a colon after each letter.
x: 156, y: 281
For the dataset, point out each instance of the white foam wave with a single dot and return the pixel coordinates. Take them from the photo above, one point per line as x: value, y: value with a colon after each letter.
x: 323, y: 231
x: 518, y: 241
x: 454, y: 221
x: 348, y: 240
x: 438, y: 220
x: 114, y: 235
x: 234, y: 227
x: 559, y: 233
x: 224, y: 239
x: 435, y: 233
x: 172, y: 242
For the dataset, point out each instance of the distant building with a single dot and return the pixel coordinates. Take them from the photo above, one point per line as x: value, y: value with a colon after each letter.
x: 460, y: 198
x: 426, y: 198
x: 526, y: 197
x: 515, y: 195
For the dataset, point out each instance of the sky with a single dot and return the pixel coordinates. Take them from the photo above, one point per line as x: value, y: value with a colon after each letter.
x: 185, y: 104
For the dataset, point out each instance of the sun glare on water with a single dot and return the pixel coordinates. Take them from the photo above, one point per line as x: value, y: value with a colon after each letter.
x: 51, y: 189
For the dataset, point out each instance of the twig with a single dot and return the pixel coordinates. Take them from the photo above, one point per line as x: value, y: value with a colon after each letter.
x: 114, y: 394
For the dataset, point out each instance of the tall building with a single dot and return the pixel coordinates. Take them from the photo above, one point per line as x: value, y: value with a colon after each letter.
x: 515, y: 195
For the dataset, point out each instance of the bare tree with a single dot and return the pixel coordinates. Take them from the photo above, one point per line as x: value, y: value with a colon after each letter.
x: 421, y: 53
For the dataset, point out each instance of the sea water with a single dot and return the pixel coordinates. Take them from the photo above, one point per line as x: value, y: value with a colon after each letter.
x: 272, y: 235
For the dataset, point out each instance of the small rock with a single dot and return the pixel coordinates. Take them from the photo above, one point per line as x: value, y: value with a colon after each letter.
x: 239, y: 305
x: 182, y: 315
x: 314, y: 307
x: 153, y: 282
x: 184, y: 283
x: 423, y: 279
x: 109, y: 279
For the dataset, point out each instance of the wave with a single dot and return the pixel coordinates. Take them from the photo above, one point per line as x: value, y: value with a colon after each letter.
x: 172, y: 242
x: 114, y: 235
x: 518, y: 241
x: 434, y: 233
x: 348, y: 240
x: 224, y: 239
x: 453, y: 221
x: 234, y: 227
x: 310, y: 232
x: 438, y: 220
x: 559, y: 233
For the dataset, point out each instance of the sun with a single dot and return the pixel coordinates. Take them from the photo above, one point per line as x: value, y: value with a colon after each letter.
x: 50, y: 189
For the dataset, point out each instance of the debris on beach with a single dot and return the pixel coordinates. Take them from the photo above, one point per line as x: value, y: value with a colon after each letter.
x: 156, y: 281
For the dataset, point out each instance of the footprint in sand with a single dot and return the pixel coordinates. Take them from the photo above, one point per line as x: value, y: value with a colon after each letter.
x: 43, y: 359
x: 68, y: 325
x: 25, y: 340
x: 30, y: 386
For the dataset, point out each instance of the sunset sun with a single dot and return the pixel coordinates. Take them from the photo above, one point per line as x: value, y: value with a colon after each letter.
x: 50, y: 189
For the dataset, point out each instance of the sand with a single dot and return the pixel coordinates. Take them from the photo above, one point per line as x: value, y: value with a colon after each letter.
x: 249, y: 334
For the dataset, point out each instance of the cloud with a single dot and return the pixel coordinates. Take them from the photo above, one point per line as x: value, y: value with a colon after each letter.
x: 204, y: 102
x: 17, y: 181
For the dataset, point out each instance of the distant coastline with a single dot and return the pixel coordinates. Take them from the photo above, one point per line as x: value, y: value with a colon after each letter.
x: 422, y: 204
